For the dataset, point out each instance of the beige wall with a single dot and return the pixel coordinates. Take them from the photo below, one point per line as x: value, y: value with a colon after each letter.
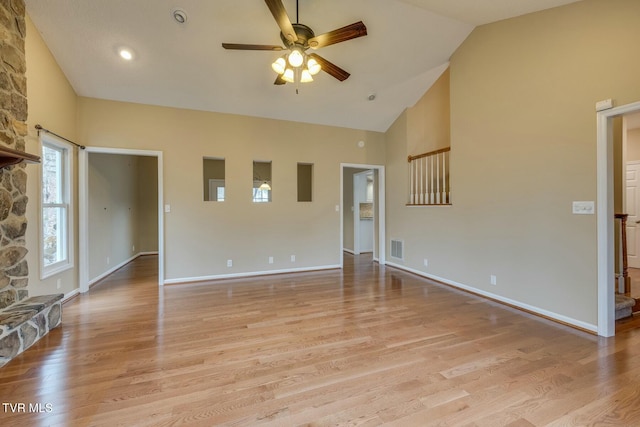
x: 523, y: 137
x: 428, y: 122
x: 147, y: 180
x: 201, y: 236
x: 52, y: 104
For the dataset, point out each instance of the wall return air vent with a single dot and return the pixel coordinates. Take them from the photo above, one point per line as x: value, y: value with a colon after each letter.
x: 397, y: 249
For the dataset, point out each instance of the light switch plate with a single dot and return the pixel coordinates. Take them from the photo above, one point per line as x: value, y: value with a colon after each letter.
x: 584, y: 208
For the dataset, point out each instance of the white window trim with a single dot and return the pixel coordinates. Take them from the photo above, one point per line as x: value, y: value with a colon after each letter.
x: 68, y: 263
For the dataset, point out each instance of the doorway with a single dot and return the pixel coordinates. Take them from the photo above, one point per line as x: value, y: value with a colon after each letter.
x: 87, y: 213
x: 362, y: 207
x: 364, y: 236
x: 605, y: 214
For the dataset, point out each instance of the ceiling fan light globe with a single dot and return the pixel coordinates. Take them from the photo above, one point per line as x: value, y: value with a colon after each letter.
x: 279, y: 65
x: 305, y: 77
x: 313, y: 66
x: 288, y: 75
x: 296, y: 58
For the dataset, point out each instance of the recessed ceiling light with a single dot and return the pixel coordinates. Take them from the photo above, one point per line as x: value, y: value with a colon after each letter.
x: 126, y: 54
x: 179, y: 15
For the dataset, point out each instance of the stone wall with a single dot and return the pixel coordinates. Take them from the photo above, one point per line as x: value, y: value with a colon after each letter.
x: 13, y: 130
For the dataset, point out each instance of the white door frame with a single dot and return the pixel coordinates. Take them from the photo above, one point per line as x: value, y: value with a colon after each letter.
x: 379, y: 214
x: 83, y: 208
x: 605, y: 212
x: 358, y: 179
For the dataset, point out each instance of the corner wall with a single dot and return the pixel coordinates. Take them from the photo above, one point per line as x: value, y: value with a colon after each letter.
x: 523, y: 138
x: 201, y: 236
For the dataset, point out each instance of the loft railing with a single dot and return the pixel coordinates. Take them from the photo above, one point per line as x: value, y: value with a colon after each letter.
x: 429, y: 178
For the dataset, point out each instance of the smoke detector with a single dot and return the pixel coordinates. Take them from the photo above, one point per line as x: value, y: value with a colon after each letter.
x: 179, y: 15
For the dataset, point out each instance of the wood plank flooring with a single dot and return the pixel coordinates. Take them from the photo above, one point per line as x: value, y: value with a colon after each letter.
x: 365, y: 346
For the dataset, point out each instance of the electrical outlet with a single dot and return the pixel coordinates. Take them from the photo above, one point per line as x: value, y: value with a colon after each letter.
x: 493, y: 279
x: 426, y: 262
x: 293, y: 258
x: 229, y: 263
x: 270, y: 260
x: 58, y: 284
x: 133, y: 248
x: 108, y: 260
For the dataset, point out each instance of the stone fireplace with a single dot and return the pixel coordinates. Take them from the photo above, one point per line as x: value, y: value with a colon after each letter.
x: 23, y: 320
x: 13, y: 129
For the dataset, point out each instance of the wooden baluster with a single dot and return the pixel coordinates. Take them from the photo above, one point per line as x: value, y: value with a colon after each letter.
x: 430, y: 196
x: 437, y: 160
x: 444, y: 179
x: 448, y: 177
x: 419, y: 178
x: 624, y: 254
x: 425, y: 189
x: 411, y: 183
x: 423, y: 179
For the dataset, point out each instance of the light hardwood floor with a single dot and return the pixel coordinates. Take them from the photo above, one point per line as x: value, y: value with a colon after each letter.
x: 362, y: 346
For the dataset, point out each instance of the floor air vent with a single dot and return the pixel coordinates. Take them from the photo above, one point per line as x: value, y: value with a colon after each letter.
x: 397, y: 249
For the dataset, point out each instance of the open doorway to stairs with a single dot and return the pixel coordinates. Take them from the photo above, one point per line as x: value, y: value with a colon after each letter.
x: 605, y: 215
x: 362, y: 207
x: 108, y: 193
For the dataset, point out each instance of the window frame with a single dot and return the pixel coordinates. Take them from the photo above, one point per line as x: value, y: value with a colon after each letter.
x: 66, y: 203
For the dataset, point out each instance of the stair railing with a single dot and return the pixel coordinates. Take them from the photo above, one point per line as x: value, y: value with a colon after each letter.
x: 429, y: 178
x: 623, y: 265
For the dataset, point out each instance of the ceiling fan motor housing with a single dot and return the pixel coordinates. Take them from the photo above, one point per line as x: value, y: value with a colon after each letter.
x: 303, y: 32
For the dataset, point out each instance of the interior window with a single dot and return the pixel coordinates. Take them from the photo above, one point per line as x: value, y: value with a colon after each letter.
x: 261, y: 182
x: 305, y: 179
x: 213, y: 179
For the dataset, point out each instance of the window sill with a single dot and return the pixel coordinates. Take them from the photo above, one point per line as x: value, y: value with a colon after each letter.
x: 53, y: 270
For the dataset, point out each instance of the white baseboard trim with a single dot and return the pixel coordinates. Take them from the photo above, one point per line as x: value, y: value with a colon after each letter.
x: 526, y: 307
x: 250, y: 274
x: 117, y: 267
x: 147, y: 253
x: 70, y: 295
x: 348, y: 251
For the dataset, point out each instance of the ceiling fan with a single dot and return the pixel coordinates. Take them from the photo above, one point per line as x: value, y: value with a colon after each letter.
x: 296, y: 65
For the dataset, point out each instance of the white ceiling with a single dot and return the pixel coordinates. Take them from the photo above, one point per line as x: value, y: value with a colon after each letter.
x: 408, y: 46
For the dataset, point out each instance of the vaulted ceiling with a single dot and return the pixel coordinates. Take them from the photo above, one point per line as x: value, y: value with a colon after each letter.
x: 408, y: 45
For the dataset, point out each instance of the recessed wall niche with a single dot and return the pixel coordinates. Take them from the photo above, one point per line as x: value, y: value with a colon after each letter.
x: 213, y: 179
x: 261, y: 182
x: 305, y: 182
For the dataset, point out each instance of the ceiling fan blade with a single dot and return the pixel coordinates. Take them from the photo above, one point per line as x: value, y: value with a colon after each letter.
x: 238, y: 46
x: 343, y: 34
x: 280, y: 14
x: 330, y: 68
x: 279, y: 80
